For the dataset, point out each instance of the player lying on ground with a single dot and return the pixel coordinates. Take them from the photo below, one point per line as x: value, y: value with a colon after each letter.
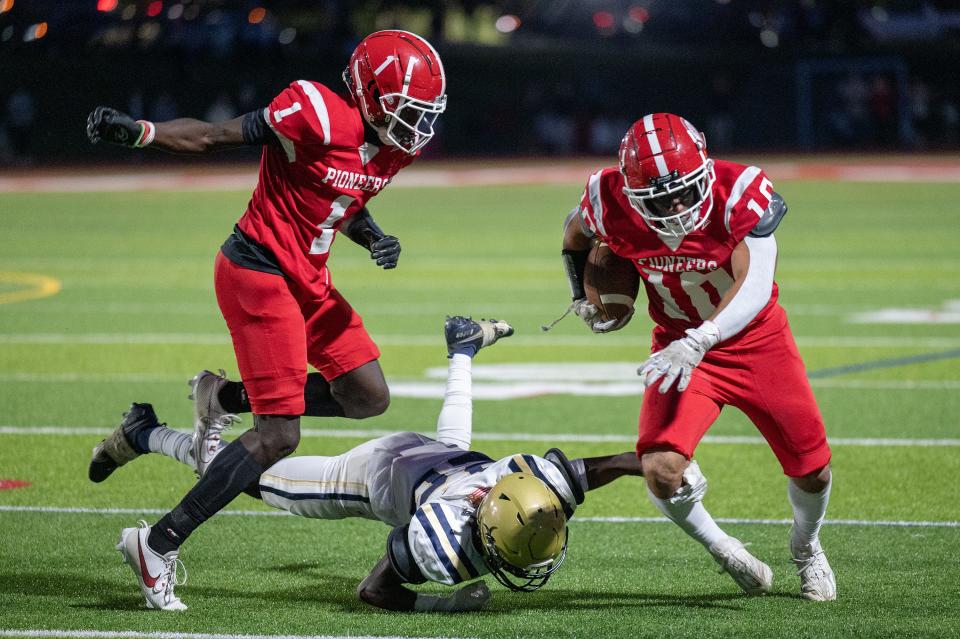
x: 700, y: 233
x: 324, y: 156
x: 457, y: 514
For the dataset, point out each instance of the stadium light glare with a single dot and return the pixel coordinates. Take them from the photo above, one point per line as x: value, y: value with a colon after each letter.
x: 154, y: 8
x: 639, y: 14
x: 5, y: 5
x: 770, y: 38
x: 507, y: 23
x: 287, y: 36
x: 106, y: 6
x: 603, y: 20
x: 7, y: 34
x: 256, y: 15
x: 128, y: 12
x: 175, y: 12
x: 35, y: 32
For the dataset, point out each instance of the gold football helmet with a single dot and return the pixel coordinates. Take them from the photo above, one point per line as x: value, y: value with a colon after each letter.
x: 522, y: 531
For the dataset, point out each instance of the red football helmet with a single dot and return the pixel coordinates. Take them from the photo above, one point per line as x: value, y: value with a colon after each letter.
x: 669, y: 178
x: 398, y: 81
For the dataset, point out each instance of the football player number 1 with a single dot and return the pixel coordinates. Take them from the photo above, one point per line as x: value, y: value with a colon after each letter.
x: 321, y: 243
x: 338, y: 208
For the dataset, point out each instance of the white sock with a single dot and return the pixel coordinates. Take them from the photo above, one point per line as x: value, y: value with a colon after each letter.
x: 455, y: 424
x: 809, y: 510
x: 172, y: 443
x: 693, y: 518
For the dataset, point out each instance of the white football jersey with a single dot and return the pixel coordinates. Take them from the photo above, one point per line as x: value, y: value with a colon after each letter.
x: 440, y: 533
x: 427, y: 490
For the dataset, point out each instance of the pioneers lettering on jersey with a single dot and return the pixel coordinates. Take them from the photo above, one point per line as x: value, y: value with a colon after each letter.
x: 323, y: 173
x: 685, y: 278
x: 671, y: 264
x: 340, y: 179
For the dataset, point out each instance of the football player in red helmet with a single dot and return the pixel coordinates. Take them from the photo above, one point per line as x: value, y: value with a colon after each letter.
x: 324, y: 156
x: 701, y: 235
x: 400, y: 96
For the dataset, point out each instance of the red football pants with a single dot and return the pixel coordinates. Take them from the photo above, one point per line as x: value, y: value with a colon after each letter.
x: 759, y: 372
x: 276, y: 331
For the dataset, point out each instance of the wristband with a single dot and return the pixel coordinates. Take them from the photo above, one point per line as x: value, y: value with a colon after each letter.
x: 707, y: 335
x: 148, y: 130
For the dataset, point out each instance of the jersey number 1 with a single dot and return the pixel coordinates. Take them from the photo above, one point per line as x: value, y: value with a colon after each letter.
x: 338, y: 208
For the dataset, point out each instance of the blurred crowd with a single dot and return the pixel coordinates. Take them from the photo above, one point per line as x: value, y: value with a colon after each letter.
x: 526, y: 77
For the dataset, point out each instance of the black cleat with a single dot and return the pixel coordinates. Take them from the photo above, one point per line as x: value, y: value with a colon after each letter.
x: 465, y: 332
x: 117, y: 449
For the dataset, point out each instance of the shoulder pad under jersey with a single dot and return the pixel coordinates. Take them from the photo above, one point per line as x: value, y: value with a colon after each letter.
x: 401, y: 557
x: 771, y: 217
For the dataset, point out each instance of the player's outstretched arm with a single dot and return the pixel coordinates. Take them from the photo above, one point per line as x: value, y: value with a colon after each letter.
x: 184, y: 135
x: 600, y: 471
x: 384, y: 588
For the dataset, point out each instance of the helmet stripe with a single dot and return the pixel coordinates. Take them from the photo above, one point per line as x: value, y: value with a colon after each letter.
x: 411, y: 62
x: 654, y: 143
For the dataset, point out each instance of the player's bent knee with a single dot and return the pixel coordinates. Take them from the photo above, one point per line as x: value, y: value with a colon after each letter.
x: 278, y: 437
x: 664, y: 472
x: 374, y: 402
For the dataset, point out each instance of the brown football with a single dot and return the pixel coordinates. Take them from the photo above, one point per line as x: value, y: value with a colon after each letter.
x: 611, y: 282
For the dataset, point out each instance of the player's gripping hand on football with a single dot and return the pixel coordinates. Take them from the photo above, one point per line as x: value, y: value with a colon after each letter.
x: 590, y: 315
x: 679, y: 358
x: 117, y: 127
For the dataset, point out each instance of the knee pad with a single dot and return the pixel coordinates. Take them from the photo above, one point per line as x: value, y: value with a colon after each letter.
x: 694, y: 486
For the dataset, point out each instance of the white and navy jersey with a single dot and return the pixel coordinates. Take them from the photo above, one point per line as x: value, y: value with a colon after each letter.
x: 439, y: 540
x: 427, y: 490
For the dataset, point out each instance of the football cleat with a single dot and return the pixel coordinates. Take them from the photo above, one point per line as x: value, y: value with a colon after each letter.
x: 204, y: 391
x: 462, y: 332
x: 207, y: 439
x: 817, y: 582
x: 156, y: 573
x: 751, y: 574
x: 118, y: 449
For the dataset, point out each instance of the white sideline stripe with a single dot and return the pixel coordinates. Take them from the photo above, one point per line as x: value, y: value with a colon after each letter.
x: 591, y: 341
x: 495, y: 391
x: 133, y: 634
x: 586, y: 520
x: 336, y: 433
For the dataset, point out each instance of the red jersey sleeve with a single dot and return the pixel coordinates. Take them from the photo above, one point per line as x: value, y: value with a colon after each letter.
x: 749, y: 197
x: 592, y: 206
x: 299, y: 115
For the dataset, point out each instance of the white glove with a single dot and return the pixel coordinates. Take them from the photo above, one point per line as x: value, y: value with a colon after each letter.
x: 693, y: 488
x: 588, y: 313
x: 679, y: 358
x: 467, y: 599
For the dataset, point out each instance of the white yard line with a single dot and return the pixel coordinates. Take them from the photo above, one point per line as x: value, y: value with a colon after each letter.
x: 491, y: 390
x: 133, y: 634
x: 333, y: 433
x: 66, y: 510
x: 588, y: 341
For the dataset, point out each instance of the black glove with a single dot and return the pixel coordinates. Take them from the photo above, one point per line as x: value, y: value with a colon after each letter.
x: 386, y: 251
x: 113, y: 126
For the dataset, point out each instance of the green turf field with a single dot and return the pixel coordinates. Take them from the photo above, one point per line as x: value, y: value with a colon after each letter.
x: 136, y: 317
